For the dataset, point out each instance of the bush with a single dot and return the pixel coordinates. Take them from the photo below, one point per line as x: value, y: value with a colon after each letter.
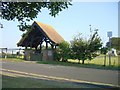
x: 62, y: 53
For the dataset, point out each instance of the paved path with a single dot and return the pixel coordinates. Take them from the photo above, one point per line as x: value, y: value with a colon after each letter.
x: 86, y: 74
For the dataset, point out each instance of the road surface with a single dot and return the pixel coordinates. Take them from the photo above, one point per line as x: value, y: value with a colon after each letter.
x: 75, y: 73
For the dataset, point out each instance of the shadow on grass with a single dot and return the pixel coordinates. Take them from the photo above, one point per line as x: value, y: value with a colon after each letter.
x: 27, y: 82
x: 80, y: 65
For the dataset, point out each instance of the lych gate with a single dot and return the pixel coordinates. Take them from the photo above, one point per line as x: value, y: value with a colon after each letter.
x: 34, y: 39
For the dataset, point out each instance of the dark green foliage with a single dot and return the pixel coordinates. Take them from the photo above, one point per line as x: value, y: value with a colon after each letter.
x: 63, y: 51
x: 104, y: 50
x: 26, y: 11
x: 108, y: 44
x: 85, y: 49
x: 115, y: 43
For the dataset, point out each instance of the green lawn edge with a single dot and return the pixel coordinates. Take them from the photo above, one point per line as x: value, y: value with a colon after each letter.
x: 74, y: 64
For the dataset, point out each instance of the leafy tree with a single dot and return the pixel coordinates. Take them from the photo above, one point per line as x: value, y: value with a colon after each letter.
x: 104, y: 50
x: 83, y: 49
x: 115, y: 43
x: 108, y: 44
x: 63, y: 51
x: 26, y: 11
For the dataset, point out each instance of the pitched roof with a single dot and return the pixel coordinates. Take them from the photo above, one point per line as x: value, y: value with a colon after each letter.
x: 48, y: 30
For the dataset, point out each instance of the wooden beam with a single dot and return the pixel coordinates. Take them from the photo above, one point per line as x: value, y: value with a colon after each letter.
x: 25, y: 47
x: 31, y: 41
x: 55, y: 46
x: 35, y: 48
x: 46, y: 45
x: 52, y: 46
x: 40, y: 47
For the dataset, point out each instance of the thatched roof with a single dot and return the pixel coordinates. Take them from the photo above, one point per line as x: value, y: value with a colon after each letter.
x: 44, y: 29
x: 50, y: 32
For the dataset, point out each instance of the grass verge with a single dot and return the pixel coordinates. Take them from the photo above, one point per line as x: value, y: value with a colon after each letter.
x: 12, y: 59
x: 96, y: 66
x: 27, y: 82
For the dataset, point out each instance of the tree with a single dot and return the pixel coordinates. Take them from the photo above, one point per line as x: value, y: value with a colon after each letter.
x: 115, y: 43
x: 26, y: 11
x: 108, y: 44
x: 83, y: 49
x: 63, y: 51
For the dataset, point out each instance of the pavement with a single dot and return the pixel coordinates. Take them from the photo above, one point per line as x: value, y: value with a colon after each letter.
x: 56, y: 72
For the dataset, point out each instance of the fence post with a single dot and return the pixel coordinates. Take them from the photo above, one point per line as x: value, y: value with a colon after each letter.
x: 104, y: 60
x: 6, y: 54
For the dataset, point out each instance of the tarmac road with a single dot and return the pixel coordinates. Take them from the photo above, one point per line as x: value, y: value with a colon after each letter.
x: 77, y: 73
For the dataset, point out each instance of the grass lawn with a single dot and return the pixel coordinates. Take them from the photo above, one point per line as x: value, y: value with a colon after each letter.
x: 12, y: 59
x: 97, y: 63
x: 27, y: 82
x: 100, y: 61
x: 80, y: 65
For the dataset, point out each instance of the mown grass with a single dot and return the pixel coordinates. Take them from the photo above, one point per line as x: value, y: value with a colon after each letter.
x: 100, y: 60
x: 97, y: 63
x: 80, y: 65
x: 27, y: 82
x: 12, y: 59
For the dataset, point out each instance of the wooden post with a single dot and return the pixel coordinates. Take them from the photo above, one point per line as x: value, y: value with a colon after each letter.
x: 46, y: 44
x: 6, y: 54
x: 104, y: 60
x: 109, y: 59
x: 25, y: 47
x: 52, y: 46
x: 25, y: 54
x: 55, y: 46
x: 40, y: 47
x: 35, y: 48
x: 2, y: 52
x: 12, y: 53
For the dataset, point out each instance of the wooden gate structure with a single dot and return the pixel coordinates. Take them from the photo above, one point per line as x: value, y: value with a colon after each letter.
x: 34, y: 38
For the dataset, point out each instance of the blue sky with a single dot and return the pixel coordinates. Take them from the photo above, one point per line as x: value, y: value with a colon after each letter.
x: 69, y: 22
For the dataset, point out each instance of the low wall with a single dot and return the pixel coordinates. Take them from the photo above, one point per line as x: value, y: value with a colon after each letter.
x: 27, y: 54
x: 45, y: 55
x: 36, y: 57
x: 48, y: 55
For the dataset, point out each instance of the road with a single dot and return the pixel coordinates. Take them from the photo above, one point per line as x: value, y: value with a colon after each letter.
x: 75, y: 73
